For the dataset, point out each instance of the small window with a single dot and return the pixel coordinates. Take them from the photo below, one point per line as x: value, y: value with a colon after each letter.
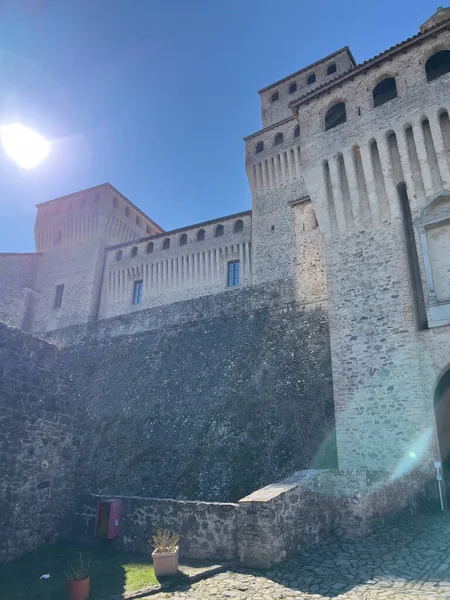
x: 437, y: 65
x: 311, y: 79
x: 200, y: 235
x: 259, y: 147
x: 383, y: 92
x: 331, y: 69
x: 119, y: 254
x: 58, y: 296
x: 297, y: 131
x: 239, y: 226
x: 127, y: 211
x: 166, y: 244
x: 278, y: 139
x: 183, y: 239
x: 335, y: 116
x: 147, y: 229
x: 292, y: 88
x: 115, y: 201
x: 149, y: 247
x: 219, y: 231
x: 233, y: 273
x: 137, y: 291
x: 275, y: 96
x: 138, y: 221
x: 133, y: 251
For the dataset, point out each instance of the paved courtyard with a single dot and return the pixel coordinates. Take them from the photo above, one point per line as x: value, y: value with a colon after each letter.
x: 409, y: 559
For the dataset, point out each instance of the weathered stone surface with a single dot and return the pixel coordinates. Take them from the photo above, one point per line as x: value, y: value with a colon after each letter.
x: 208, y: 530
x: 405, y: 561
x: 215, y: 397
x: 40, y: 423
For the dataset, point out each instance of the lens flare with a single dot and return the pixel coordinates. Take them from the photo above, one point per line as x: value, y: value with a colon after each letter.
x: 26, y: 147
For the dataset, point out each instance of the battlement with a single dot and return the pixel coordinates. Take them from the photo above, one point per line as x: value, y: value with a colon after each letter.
x: 100, y: 212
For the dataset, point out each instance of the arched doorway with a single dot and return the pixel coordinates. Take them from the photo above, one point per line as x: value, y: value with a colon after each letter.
x: 442, y: 414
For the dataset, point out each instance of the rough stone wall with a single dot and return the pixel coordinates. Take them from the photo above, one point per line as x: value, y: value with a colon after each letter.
x: 39, y: 442
x: 18, y: 277
x: 384, y: 371
x: 207, y: 399
x: 290, y: 516
x: 208, y: 530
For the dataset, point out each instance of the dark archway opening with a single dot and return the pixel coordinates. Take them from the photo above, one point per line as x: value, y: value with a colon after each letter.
x: 438, y: 65
x: 442, y: 414
x: 413, y: 261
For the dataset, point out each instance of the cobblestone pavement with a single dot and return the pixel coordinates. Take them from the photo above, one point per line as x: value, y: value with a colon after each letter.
x: 409, y: 559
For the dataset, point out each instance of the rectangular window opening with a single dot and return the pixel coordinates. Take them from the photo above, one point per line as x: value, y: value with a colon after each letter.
x: 233, y: 273
x: 137, y: 291
x: 58, y: 296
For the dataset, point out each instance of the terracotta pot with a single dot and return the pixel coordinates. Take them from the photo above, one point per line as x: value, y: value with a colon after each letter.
x: 165, y: 563
x: 79, y: 590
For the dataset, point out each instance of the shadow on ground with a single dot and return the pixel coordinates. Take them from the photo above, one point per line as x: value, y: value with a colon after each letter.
x: 412, y: 553
x: 111, y: 572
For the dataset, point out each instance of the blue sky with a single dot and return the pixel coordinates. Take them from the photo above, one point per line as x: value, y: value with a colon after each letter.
x: 155, y: 96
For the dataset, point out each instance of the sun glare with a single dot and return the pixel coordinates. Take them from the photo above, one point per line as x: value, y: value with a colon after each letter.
x: 26, y: 147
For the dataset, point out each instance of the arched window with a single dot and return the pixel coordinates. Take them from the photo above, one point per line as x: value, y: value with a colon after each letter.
x: 311, y: 79
x: 149, y: 247
x: 115, y: 201
x: 133, y: 251
x: 331, y: 69
x: 127, y: 211
x: 278, y: 139
x: 297, y: 131
x: 259, y: 147
x: 383, y: 92
x: 275, y: 96
x: 292, y: 88
x: 219, y: 231
x: 183, y: 239
x: 200, y: 235
x: 138, y: 220
x: 166, y: 244
x: 238, y: 226
x: 438, y: 65
x: 119, y: 255
x: 335, y: 116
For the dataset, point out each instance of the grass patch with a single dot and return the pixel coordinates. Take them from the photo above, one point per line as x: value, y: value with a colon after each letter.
x: 112, y: 572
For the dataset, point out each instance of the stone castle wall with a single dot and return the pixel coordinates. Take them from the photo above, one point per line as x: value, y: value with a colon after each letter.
x: 18, y: 280
x: 40, y: 424
x: 206, y: 399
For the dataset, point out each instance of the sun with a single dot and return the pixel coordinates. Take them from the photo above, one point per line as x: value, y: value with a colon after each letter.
x: 26, y: 147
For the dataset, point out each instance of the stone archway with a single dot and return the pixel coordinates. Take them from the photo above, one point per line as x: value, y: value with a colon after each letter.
x: 442, y: 414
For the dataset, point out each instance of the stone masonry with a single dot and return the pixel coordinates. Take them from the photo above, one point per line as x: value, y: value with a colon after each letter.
x: 40, y: 426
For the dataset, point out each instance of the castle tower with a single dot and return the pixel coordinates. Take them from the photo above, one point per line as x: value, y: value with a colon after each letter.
x: 372, y: 154
x: 71, y: 233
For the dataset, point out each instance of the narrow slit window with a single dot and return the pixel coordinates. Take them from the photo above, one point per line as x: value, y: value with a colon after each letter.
x: 134, y: 251
x: 58, y: 296
x: 137, y: 291
x: 233, y: 273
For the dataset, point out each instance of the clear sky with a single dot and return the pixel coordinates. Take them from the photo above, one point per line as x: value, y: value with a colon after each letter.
x: 155, y: 96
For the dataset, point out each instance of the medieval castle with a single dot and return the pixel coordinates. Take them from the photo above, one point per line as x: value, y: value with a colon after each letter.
x: 329, y: 299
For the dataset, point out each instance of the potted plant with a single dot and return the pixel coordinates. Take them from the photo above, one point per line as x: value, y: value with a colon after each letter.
x: 78, y: 580
x: 165, y: 554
